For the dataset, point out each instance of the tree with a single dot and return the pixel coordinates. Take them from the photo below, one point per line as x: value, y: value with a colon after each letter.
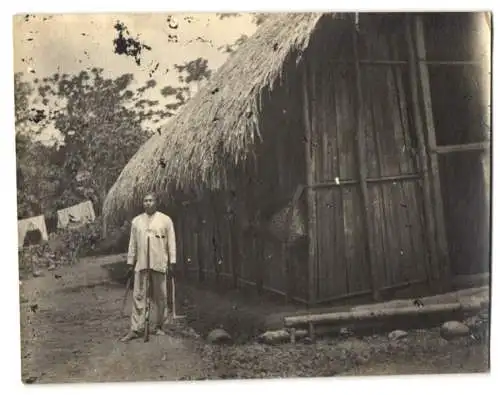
x: 224, y: 15
x: 194, y: 71
x: 180, y: 94
x: 32, y: 182
x: 38, y: 179
x: 101, y: 129
x: 126, y: 45
x: 22, y: 92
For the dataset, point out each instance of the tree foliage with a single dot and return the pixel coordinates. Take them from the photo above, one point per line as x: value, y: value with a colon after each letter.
x: 193, y: 71
x: 125, y: 44
x: 100, y: 129
x: 102, y: 122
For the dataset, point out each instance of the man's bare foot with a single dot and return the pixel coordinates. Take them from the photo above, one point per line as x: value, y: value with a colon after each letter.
x: 159, y: 332
x: 129, y: 336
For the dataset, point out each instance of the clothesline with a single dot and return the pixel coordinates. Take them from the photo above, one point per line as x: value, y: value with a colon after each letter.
x: 33, y: 230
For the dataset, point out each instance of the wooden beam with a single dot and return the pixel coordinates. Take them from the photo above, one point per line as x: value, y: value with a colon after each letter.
x: 371, y: 62
x: 311, y: 195
x: 446, y: 149
x: 422, y: 152
x: 250, y: 283
x: 351, y: 317
x: 361, y: 147
x: 452, y: 62
x: 341, y: 183
x: 358, y: 294
x: 388, y: 62
x: 442, y: 243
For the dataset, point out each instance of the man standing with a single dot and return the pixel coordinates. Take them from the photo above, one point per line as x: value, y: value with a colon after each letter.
x: 158, y: 228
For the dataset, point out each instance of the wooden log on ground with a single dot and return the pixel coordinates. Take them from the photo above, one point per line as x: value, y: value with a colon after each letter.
x: 351, y: 317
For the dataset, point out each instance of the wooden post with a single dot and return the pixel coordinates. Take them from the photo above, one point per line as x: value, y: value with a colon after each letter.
x: 293, y: 335
x: 444, y: 261
x: 361, y: 146
x: 235, y: 248
x: 311, y: 194
x: 422, y: 151
x: 230, y: 210
x: 286, y: 270
x: 104, y: 232
x: 312, y: 334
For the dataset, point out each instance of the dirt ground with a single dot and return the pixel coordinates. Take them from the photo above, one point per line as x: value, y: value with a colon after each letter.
x: 71, y: 321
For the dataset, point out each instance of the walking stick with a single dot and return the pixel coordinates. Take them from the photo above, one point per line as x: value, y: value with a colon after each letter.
x: 126, y: 294
x: 148, y: 299
x: 174, y: 313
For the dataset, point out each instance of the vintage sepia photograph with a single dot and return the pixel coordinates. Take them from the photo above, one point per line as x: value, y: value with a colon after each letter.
x: 212, y: 196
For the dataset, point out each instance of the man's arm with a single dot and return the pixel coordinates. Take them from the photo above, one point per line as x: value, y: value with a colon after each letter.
x: 132, y: 246
x: 171, y: 250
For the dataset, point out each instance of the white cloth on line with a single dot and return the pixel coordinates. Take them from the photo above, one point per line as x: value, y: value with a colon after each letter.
x: 28, y: 224
x: 75, y: 216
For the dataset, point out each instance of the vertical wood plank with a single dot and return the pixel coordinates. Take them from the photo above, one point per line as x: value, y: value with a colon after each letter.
x: 360, y: 139
x: 311, y: 199
x: 401, y: 208
x: 422, y: 150
x: 324, y: 235
x: 376, y: 216
x: 442, y: 243
x: 324, y: 252
x: 347, y: 194
x: 382, y: 224
x: 389, y: 159
x: 411, y: 194
x: 335, y: 197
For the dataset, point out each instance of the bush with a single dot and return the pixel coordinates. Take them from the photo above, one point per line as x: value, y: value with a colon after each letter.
x: 67, y: 245
x: 116, y: 241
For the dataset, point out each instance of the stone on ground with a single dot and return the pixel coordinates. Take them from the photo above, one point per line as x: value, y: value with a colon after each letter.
x: 218, y: 336
x: 280, y: 336
x: 397, y: 335
x: 273, y: 337
x: 453, y: 329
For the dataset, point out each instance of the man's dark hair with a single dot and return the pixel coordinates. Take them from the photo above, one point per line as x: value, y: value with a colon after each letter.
x: 152, y: 194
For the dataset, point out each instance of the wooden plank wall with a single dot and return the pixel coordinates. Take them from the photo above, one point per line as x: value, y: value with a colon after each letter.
x: 281, y: 170
x: 342, y: 264
x: 461, y: 117
x: 391, y: 149
x: 395, y: 215
x: 220, y: 243
x: 225, y: 236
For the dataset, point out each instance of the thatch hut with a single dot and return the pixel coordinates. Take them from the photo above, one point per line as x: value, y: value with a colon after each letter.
x: 320, y: 162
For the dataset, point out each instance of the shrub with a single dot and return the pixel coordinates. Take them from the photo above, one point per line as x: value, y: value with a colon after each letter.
x: 65, y: 246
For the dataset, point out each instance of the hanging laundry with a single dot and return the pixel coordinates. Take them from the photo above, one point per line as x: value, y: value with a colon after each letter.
x: 76, y: 216
x: 31, y: 231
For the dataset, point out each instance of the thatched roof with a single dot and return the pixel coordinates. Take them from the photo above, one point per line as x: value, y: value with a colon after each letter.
x: 220, y: 123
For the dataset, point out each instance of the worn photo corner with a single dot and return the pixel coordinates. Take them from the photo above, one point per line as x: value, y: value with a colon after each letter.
x: 216, y: 196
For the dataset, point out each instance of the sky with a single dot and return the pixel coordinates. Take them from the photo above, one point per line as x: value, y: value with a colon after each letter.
x: 45, y: 44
